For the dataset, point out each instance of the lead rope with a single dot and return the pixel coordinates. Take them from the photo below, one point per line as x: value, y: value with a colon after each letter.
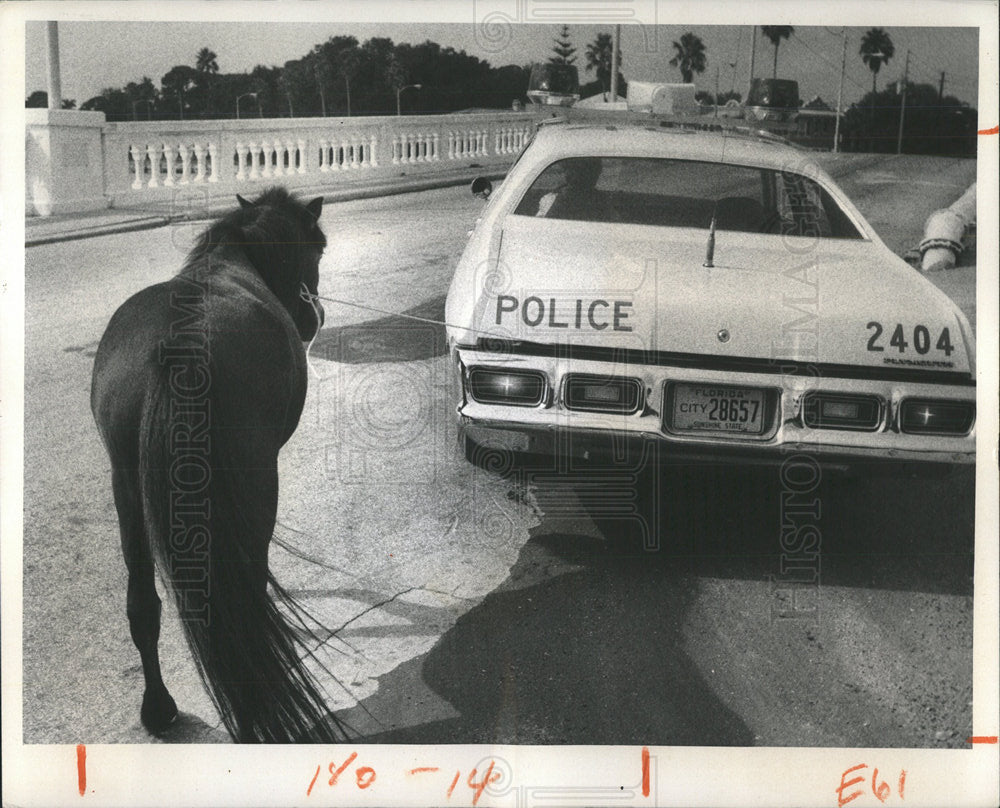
x: 313, y: 301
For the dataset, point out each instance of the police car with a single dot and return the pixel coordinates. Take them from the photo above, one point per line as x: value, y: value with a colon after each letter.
x: 712, y: 293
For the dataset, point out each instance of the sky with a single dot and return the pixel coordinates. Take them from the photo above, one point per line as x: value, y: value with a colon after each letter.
x: 98, y: 54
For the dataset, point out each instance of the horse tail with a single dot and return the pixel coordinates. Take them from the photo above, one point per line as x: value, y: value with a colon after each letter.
x: 200, y: 517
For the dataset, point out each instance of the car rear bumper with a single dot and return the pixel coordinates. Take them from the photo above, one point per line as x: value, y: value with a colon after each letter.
x: 553, y: 429
x: 575, y: 446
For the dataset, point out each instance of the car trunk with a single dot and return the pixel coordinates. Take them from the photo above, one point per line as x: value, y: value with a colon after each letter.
x: 766, y: 296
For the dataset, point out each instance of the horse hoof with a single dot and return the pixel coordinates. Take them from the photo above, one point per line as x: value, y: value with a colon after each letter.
x: 159, y: 710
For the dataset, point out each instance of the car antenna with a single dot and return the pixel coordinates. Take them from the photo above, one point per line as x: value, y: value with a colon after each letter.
x: 710, y: 246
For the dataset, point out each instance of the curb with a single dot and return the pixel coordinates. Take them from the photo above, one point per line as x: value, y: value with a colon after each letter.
x: 334, y: 195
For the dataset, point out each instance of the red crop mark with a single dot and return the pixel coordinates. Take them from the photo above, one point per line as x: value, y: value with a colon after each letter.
x: 423, y: 769
x: 645, y: 771
x: 309, y: 790
x: 981, y: 739
x: 81, y: 768
x: 994, y: 131
x: 454, y: 783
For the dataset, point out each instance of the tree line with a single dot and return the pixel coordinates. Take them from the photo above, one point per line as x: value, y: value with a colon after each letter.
x: 343, y: 76
x: 337, y: 77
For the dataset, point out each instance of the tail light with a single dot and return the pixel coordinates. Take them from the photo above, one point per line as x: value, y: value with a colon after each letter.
x: 928, y: 416
x: 841, y: 411
x: 603, y: 394
x: 521, y: 388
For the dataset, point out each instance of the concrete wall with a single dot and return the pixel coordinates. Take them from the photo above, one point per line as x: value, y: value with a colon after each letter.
x: 64, y: 161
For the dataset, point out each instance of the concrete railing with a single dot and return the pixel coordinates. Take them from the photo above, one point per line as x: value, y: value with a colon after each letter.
x: 140, y: 163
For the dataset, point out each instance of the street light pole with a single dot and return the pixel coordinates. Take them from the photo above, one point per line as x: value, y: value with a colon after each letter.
x: 615, y: 46
x: 902, y: 108
x: 753, y: 57
x: 146, y: 101
x: 840, y: 94
x: 399, y: 92
x: 246, y: 95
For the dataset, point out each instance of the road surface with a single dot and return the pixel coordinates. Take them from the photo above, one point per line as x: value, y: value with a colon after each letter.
x: 475, y: 608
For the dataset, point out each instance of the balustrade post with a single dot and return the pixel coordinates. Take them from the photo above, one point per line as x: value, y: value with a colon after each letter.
x: 184, y: 153
x: 279, y: 157
x: 241, y: 156
x: 373, y: 153
x: 436, y: 148
x: 267, y: 167
x: 395, y: 149
x: 323, y: 165
x: 199, y: 156
x: 355, y: 162
x: 213, y: 159
x: 138, y: 166
x: 168, y: 156
x: 303, y: 157
x: 255, y: 161
x: 154, y: 165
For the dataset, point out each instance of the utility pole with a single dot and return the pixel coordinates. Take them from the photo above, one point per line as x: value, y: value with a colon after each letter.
x: 840, y: 94
x: 615, y: 42
x: 902, y: 108
x: 55, y: 83
x: 716, y: 91
x: 937, y: 117
x: 753, y: 55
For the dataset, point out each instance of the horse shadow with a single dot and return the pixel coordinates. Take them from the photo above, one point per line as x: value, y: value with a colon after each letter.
x: 394, y: 338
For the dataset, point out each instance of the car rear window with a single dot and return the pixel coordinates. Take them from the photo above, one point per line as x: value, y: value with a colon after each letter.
x: 685, y: 193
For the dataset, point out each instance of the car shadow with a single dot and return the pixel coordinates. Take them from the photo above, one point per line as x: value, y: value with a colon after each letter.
x: 584, y: 642
x: 562, y: 659
x: 395, y: 338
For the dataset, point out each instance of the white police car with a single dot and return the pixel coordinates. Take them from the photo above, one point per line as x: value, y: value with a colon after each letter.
x: 711, y: 292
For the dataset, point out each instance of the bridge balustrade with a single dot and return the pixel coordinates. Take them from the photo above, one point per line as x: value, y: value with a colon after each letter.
x: 147, y: 161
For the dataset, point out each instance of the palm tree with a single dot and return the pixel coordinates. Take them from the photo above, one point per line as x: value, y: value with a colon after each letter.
x: 207, y: 66
x: 690, y: 56
x: 876, y: 50
x: 776, y: 33
x: 205, y: 61
x: 599, y: 59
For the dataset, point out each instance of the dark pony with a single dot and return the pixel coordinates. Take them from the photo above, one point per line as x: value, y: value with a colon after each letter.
x: 198, y: 382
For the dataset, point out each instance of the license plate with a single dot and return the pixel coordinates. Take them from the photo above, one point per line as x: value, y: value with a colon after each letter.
x: 718, y: 408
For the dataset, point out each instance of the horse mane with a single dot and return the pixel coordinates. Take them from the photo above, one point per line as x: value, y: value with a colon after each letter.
x: 275, y: 232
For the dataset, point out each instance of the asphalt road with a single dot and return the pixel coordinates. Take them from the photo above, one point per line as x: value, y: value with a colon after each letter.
x: 475, y: 608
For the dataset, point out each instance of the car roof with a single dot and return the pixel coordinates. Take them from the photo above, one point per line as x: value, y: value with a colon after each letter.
x: 650, y: 139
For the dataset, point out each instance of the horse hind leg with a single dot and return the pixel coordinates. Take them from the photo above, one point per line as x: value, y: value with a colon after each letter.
x: 143, y: 604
